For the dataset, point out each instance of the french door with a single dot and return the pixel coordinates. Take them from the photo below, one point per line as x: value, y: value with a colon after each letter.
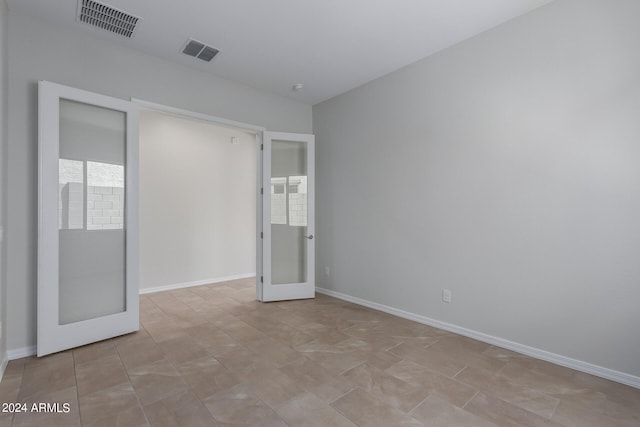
x: 286, y: 263
x: 87, y: 217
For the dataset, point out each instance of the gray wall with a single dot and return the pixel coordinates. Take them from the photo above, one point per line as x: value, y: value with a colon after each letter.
x: 3, y: 140
x: 506, y: 169
x: 40, y: 51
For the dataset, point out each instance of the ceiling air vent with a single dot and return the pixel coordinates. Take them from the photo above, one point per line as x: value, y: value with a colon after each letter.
x: 107, y: 18
x: 199, y: 50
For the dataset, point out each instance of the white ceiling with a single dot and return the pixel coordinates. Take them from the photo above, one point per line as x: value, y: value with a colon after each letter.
x: 331, y: 46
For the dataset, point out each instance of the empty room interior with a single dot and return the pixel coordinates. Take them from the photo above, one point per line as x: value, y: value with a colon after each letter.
x: 362, y: 213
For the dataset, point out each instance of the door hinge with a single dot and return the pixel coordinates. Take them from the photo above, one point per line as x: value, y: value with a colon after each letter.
x: 262, y: 190
x: 261, y: 279
x: 261, y: 235
x: 261, y: 147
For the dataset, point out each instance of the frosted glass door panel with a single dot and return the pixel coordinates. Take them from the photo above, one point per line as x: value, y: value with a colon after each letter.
x: 92, y: 235
x: 289, y: 212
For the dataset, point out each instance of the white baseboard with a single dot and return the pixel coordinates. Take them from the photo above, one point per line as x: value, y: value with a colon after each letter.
x: 195, y: 283
x: 19, y: 353
x: 578, y: 365
x: 3, y: 364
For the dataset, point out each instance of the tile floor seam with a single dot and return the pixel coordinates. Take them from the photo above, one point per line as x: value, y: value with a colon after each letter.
x: 274, y: 409
x: 388, y: 368
x: 525, y: 410
x: 394, y: 346
x: 353, y: 367
x: 420, y: 403
x: 343, y: 395
x: 144, y: 413
x: 432, y: 344
x: 499, y: 371
x: 385, y: 350
x: 470, y: 399
x: 19, y: 389
x: 460, y: 371
x: 555, y: 409
x: 75, y: 379
x: 339, y: 411
x: 188, y: 387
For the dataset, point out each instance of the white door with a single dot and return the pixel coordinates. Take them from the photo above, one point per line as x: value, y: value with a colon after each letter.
x: 87, y: 217
x: 286, y: 267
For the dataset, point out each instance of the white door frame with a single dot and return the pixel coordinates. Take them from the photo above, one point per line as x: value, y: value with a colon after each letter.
x: 263, y: 226
x: 200, y: 116
x: 246, y: 127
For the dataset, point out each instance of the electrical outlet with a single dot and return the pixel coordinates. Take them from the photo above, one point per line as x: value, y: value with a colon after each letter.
x: 446, y: 296
x: 327, y: 272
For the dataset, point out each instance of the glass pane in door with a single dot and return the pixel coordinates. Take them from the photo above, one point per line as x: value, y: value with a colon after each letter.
x: 91, y: 202
x: 288, y: 212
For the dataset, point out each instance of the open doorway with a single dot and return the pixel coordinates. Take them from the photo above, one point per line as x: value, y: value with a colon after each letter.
x: 187, y: 237
x: 197, y: 202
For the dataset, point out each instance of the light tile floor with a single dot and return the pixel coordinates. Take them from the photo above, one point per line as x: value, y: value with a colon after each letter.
x: 213, y: 356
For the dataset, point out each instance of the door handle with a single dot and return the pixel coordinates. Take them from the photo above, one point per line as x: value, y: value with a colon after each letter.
x: 310, y: 236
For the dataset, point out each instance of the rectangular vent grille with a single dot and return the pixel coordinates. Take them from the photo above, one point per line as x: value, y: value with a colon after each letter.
x: 107, y: 18
x: 199, y: 50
